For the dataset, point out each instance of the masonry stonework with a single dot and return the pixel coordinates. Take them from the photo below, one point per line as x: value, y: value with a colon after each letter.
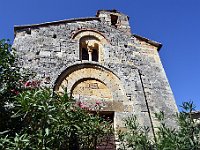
x: 99, y: 58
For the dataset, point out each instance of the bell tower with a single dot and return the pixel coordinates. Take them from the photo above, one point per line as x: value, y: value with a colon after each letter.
x: 115, y: 19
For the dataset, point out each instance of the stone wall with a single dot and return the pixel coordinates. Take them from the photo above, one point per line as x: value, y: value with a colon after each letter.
x: 130, y: 68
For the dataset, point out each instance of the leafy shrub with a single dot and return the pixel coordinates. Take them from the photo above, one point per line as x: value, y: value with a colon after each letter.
x: 185, y: 137
x: 51, y: 121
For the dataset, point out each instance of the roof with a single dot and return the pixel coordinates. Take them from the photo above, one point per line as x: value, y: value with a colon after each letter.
x: 154, y: 43
x: 195, y: 114
x: 19, y: 27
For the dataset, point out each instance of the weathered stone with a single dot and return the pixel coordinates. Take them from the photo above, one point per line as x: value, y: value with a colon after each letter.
x: 126, y: 73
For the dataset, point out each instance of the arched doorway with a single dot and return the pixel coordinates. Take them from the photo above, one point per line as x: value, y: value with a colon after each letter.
x: 89, y: 83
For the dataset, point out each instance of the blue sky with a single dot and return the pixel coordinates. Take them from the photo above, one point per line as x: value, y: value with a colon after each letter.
x: 174, y: 23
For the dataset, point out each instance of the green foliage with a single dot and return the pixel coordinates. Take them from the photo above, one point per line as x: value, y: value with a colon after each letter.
x: 9, y: 83
x: 51, y: 121
x: 135, y: 136
x: 184, y: 137
x: 9, y: 73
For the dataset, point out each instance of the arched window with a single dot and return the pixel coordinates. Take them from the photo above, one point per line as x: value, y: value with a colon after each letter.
x: 89, y: 48
x: 93, y: 43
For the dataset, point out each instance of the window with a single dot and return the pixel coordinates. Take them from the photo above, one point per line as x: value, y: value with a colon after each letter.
x: 89, y: 49
x: 85, y: 55
x: 94, y: 55
x: 114, y: 19
x: 93, y: 43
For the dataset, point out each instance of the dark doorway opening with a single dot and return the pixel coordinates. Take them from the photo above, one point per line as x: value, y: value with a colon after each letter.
x: 108, y: 141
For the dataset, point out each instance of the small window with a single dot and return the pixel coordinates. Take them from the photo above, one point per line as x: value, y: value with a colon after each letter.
x: 28, y: 31
x: 114, y: 19
x: 85, y: 55
x: 89, y: 49
x: 95, y: 56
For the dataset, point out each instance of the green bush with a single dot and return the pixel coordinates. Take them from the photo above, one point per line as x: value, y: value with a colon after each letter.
x: 50, y: 121
x: 184, y: 137
x: 9, y: 84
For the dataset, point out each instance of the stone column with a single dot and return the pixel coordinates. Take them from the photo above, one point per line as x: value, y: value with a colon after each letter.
x: 90, y: 54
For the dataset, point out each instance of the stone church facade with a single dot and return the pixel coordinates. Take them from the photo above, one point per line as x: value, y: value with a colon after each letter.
x: 99, y: 59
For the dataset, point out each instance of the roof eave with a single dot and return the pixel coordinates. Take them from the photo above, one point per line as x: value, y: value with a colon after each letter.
x: 154, y: 43
x: 19, y: 27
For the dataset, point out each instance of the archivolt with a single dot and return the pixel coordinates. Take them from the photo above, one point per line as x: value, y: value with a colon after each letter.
x: 74, y: 74
x: 89, y: 32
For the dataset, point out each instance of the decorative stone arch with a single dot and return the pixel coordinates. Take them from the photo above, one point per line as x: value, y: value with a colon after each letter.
x: 91, y: 32
x: 77, y: 76
x: 91, y: 45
